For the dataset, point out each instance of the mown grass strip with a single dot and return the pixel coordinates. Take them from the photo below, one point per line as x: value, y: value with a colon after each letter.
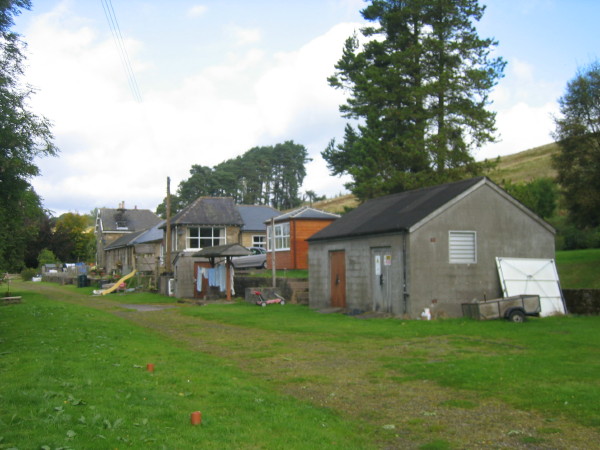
x: 550, y: 364
x: 579, y: 269
x: 72, y: 376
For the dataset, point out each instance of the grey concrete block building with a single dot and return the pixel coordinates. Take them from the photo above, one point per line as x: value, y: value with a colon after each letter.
x: 428, y: 248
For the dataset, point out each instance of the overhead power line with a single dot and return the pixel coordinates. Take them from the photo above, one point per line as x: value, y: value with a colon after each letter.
x: 113, y: 23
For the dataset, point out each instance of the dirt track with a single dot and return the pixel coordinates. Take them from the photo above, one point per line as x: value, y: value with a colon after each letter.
x: 354, y: 381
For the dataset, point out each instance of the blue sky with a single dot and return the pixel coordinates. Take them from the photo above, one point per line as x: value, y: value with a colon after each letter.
x: 220, y: 77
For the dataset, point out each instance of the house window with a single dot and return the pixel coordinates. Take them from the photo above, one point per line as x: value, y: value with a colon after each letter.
x: 259, y: 241
x: 463, y: 247
x: 282, y: 236
x: 201, y: 237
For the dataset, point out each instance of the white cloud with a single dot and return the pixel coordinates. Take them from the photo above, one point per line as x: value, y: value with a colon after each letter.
x: 244, y: 36
x: 114, y: 149
x: 197, y: 10
x: 522, y: 127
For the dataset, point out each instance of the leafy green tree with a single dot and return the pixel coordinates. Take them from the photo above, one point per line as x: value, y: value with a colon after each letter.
x: 73, y: 239
x: 23, y: 137
x: 40, y: 226
x: 539, y: 195
x: 418, y: 88
x: 578, y: 135
x: 47, y: 256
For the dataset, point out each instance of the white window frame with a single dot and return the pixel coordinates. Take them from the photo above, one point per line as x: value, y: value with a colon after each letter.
x: 205, y: 235
x: 259, y: 240
x: 282, y: 237
x: 462, y: 247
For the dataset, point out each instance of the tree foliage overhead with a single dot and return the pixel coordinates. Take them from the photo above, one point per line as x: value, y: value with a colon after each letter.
x: 418, y: 88
x: 23, y: 136
x: 578, y: 135
x: 268, y: 175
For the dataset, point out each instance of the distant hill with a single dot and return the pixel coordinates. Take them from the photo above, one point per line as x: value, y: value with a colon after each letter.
x: 336, y: 205
x: 525, y: 166
x: 519, y: 167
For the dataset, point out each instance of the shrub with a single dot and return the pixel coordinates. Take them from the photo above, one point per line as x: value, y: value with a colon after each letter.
x: 28, y: 274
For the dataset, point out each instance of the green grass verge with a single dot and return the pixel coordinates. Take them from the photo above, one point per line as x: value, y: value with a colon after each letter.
x: 292, y: 273
x: 579, y: 269
x: 550, y: 364
x: 75, y: 377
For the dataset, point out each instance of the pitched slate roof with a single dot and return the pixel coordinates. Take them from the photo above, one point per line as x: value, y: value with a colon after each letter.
x: 223, y: 250
x: 124, y: 241
x: 306, y: 212
x: 209, y: 211
x: 396, y: 212
x: 152, y: 234
x: 126, y: 220
x: 254, y: 217
x: 139, y: 237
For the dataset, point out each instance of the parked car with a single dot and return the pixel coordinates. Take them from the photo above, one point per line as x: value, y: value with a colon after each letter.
x: 258, y: 259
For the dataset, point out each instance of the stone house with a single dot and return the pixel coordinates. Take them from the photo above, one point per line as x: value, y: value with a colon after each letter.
x: 254, y: 230
x: 113, y: 224
x: 206, y: 222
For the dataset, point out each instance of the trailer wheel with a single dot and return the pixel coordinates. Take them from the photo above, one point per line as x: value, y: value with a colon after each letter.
x: 516, y: 316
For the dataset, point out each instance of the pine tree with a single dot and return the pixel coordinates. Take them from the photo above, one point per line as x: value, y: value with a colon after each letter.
x: 419, y: 86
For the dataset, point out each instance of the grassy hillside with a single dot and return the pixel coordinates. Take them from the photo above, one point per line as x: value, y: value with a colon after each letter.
x: 336, y: 205
x: 520, y: 167
x: 525, y: 166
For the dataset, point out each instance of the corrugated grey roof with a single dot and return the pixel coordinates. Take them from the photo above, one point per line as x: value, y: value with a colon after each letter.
x: 306, y: 212
x: 396, y: 212
x: 209, y: 211
x: 124, y: 220
x: 254, y: 217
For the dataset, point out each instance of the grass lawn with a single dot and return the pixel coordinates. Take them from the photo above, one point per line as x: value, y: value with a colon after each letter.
x: 73, y: 375
x: 579, y: 269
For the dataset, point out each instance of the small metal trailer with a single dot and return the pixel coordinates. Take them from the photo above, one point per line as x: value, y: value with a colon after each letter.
x: 514, y: 308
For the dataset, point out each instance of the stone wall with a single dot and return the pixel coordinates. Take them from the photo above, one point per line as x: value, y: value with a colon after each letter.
x: 582, y: 301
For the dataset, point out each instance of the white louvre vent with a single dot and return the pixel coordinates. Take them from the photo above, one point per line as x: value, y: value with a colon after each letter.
x: 463, y: 247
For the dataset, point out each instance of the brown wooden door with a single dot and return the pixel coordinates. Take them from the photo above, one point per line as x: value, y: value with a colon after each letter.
x: 337, y: 270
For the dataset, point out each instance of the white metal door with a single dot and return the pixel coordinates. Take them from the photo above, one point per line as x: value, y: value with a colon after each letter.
x: 532, y: 276
x: 381, y: 283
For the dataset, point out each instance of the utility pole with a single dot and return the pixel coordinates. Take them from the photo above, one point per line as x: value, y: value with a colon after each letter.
x: 168, y: 240
x: 273, y: 262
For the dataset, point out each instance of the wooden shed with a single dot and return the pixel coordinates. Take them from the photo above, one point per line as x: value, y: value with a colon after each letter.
x: 429, y: 248
x: 289, y: 238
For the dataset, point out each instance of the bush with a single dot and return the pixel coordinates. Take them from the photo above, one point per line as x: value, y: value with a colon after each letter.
x: 569, y: 237
x: 28, y: 274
